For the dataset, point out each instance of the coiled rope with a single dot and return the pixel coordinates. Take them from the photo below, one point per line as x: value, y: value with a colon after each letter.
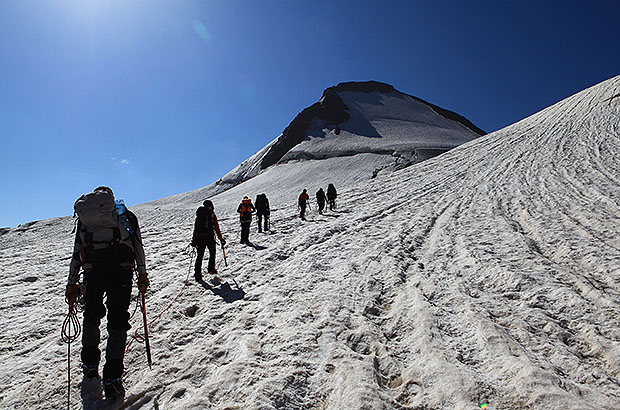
x: 70, y: 323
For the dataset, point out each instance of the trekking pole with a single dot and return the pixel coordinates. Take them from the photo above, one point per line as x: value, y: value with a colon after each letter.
x: 146, y: 332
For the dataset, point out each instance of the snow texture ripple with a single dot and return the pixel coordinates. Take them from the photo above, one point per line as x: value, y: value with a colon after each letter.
x: 489, y: 274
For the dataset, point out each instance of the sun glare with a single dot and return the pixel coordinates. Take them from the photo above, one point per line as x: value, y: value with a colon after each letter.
x: 201, y: 30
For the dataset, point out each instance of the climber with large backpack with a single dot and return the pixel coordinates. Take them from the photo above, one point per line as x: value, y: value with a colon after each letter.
x: 107, y: 249
x: 262, y: 211
x: 320, y: 200
x: 331, y: 197
x: 205, y: 228
x: 245, y: 210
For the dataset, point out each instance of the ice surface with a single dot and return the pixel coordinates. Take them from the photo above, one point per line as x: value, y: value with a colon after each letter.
x: 489, y: 274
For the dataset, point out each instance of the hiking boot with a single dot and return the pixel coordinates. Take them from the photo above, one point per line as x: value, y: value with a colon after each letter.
x: 90, y: 371
x: 113, y: 389
x: 198, y: 276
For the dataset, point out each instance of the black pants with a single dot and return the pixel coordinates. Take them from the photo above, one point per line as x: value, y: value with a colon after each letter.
x: 115, y: 282
x: 200, y: 253
x: 321, y: 206
x: 245, y: 231
x: 259, y: 216
x: 332, y: 203
x: 302, y: 214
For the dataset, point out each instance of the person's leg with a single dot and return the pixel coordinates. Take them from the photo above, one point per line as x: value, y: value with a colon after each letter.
x: 200, y: 253
x: 259, y: 218
x: 245, y: 231
x: 266, y: 222
x: 93, y: 312
x: 118, y: 291
x: 211, y: 247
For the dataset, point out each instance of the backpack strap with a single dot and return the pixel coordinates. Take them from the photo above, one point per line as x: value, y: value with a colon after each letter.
x: 88, y: 237
x: 116, y: 235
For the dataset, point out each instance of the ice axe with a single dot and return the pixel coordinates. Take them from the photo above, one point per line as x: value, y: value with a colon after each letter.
x: 224, y: 253
x: 146, y: 331
x: 226, y: 264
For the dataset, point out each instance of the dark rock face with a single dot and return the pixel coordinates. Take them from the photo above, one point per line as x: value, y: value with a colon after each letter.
x: 332, y: 110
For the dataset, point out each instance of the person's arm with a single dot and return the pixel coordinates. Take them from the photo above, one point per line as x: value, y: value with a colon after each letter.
x: 138, y: 248
x: 216, y: 225
x: 77, y: 259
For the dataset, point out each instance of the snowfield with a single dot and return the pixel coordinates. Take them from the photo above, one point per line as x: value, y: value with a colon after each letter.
x: 487, y: 275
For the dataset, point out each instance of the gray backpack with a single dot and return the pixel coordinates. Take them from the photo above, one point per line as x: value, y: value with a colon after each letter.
x: 96, y: 210
x: 101, y: 231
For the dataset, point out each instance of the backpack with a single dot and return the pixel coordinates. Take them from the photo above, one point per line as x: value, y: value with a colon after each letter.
x: 261, y: 204
x: 204, y: 222
x: 99, y: 227
x: 331, y: 191
x: 96, y: 210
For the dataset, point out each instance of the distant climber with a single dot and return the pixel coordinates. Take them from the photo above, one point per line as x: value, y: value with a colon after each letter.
x: 205, y: 229
x: 107, y: 249
x: 331, y: 197
x: 262, y: 211
x: 245, y: 209
x: 320, y: 200
x: 303, y: 203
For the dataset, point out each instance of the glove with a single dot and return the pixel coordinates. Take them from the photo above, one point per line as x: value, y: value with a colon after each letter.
x: 193, y: 243
x: 143, y: 282
x: 223, y: 241
x: 72, y: 294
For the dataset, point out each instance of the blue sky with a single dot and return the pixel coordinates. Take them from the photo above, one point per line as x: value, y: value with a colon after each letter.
x: 158, y: 97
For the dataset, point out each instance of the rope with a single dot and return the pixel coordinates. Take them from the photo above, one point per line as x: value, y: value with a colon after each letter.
x: 139, y: 337
x: 135, y: 309
x: 71, y: 322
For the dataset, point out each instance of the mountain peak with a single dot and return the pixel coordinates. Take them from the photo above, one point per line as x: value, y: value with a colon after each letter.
x: 369, y: 124
x: 349, y: 106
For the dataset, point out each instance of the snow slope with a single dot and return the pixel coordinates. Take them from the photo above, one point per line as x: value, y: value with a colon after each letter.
x: 489, y: 274
x: 352, y: 119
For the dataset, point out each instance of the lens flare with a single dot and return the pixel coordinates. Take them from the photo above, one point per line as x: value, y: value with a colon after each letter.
x: 201, y: 30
